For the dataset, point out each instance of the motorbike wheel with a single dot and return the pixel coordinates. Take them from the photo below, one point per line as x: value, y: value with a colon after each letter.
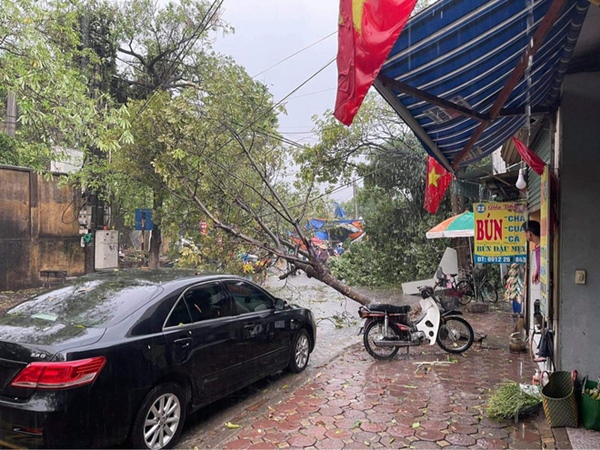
x: 455, y: 334
x: 466, y: 290
x: 375, y: 332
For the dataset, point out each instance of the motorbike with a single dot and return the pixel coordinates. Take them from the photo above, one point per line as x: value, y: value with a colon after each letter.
x: 387, y: 328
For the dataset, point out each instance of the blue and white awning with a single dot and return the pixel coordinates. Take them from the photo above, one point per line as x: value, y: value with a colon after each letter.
x: 458, y: 74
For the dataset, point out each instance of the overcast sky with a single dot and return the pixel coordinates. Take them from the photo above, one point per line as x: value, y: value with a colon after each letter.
x: 269, y: 31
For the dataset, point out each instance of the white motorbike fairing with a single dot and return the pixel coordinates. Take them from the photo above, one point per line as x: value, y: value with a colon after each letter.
x: 429, y: 323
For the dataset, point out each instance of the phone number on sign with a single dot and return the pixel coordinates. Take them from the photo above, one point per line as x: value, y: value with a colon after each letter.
x: 500, y: 259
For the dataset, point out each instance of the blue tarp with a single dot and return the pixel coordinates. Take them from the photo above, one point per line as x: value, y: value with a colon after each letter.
x: 317, y: 224
x: 322, y: 235
x: 339, y: 210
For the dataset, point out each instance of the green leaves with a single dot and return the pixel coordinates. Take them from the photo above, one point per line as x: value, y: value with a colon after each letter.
x: 391, y: 162
x: 44, y: 63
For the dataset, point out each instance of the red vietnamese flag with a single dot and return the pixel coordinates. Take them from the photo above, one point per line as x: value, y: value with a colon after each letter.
x: 368, y: 30
x: 437, y: 182
x: 530, y: 158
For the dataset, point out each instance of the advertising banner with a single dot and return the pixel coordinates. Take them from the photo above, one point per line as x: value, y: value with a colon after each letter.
x: 499, y: 237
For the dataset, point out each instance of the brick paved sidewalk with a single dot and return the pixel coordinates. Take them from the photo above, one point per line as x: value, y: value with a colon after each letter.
x: 428, y: 399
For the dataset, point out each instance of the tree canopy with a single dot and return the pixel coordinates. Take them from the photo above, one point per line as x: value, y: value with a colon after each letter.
x: 44, y: 63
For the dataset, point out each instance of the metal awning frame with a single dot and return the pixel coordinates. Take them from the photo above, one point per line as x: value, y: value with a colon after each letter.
x: 385, y: 85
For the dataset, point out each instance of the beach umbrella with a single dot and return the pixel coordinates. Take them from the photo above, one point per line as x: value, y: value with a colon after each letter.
x: 461, y: 225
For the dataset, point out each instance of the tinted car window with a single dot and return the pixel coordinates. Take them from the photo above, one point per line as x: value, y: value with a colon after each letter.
x: 248, y: 298
x: 93, y: 303
x: 206, y: 302
x: 179, y: 316
x: 203, y: 302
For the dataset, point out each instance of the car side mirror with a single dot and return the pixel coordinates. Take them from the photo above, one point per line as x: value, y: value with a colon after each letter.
x: 280, y: 303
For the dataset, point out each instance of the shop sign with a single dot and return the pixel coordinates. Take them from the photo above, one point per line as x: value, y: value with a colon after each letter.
x: 544, y: 241
x: 499, y: 237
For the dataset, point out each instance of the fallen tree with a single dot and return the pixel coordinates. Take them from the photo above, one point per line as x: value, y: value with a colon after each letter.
x: 230, y: 175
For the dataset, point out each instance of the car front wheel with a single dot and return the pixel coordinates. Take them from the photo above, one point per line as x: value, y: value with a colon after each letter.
x: 300, y: 352
x: 159, y: 421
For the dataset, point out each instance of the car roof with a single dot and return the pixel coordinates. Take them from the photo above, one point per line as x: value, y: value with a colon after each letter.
x: 84, y: 306
x: 101, y: 297
x: 165, y: 277
x: 169, y: 279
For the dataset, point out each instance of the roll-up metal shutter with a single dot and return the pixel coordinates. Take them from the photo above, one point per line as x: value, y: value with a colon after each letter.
x: 542, y: 146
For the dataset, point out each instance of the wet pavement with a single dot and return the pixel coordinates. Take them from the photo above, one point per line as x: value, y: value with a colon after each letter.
x: 424, y: 399
x: 346, y: 399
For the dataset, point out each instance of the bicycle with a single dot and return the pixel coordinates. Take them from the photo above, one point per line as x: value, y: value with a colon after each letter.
x: 481, y: 287
x: 461, y: 289
x: 464, y: 289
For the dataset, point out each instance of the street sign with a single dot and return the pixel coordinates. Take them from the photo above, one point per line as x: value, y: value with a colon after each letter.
x: 143, y: 219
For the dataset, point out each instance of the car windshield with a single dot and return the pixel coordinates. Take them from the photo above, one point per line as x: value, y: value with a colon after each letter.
x: 90, y: 303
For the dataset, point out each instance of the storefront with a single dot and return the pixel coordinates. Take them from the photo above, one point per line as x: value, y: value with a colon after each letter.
x: 466, y: 77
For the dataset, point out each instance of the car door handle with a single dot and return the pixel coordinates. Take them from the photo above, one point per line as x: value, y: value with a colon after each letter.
x: 250, y: 326
x: 183, y: 342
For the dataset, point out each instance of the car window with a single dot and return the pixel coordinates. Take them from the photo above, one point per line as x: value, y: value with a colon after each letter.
x: 248, y: 298
x: 179, y: 315
x: 207, y: 301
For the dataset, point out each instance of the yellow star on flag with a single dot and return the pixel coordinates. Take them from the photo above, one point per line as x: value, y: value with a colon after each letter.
x: 433, y: 177
x: 358, y: 7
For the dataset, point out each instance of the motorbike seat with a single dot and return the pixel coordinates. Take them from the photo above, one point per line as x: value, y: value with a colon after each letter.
x: 394, y: 309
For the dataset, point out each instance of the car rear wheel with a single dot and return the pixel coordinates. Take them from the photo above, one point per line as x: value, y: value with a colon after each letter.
x: 159, y: 421
x: 300, y: 352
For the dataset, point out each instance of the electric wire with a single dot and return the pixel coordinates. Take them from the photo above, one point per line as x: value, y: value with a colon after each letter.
x: 294, y: 54
x: 210, y: 14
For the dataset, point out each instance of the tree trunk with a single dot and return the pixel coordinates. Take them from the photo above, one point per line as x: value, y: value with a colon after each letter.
x: 155, y: 236
x: 319, y: 271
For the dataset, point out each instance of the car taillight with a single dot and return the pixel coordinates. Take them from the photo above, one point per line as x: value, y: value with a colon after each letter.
x: 59, y: 375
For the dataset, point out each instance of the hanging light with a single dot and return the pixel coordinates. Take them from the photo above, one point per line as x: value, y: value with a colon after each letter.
x: 521, y: 183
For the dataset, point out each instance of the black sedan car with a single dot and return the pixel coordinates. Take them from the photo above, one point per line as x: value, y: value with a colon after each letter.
x: 126, y: 356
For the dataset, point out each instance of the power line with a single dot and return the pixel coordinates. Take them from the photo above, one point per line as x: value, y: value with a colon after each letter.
x: 275, y: 105
x: 313, y: 93
x: 294, y: 54
x: 202, y: 26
